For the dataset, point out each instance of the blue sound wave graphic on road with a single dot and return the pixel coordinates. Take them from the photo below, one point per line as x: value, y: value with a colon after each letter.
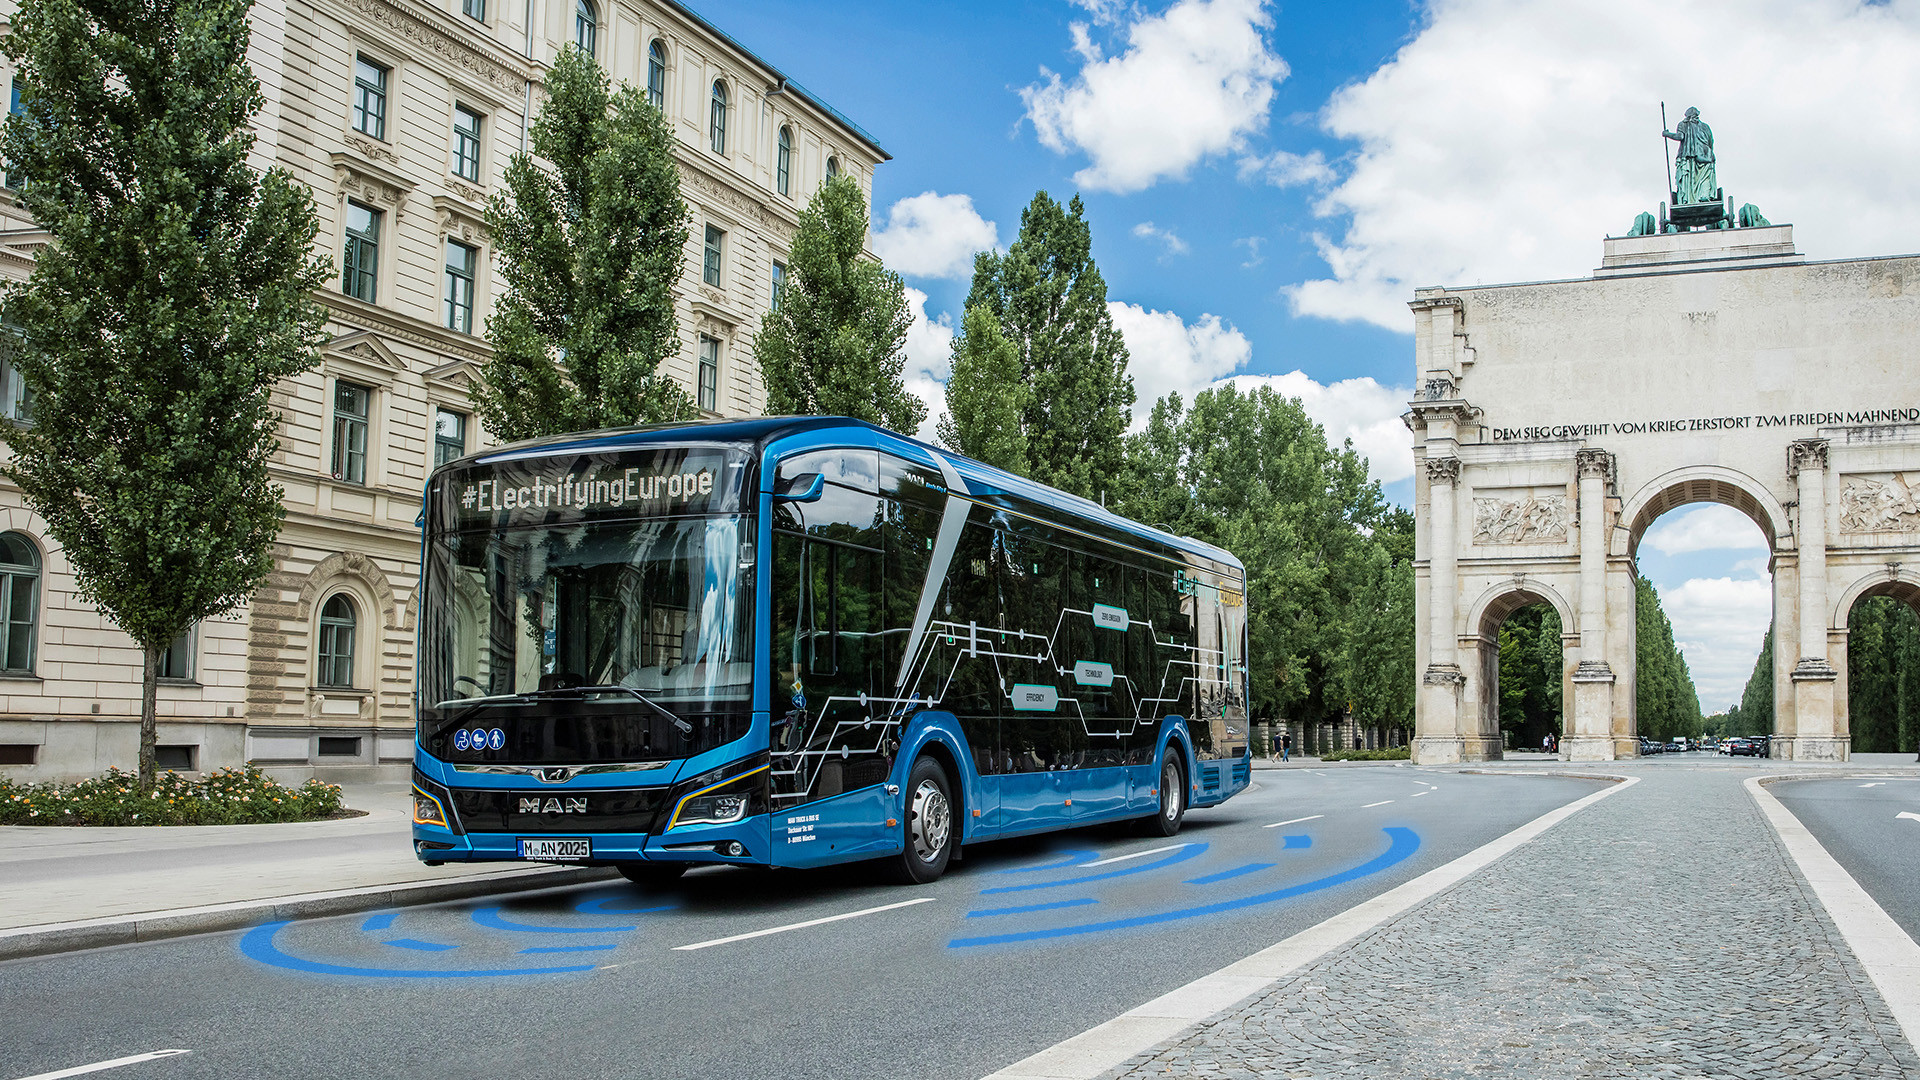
x: 1402, y: 843
x: 258, y: 944
x: 1186, y: 852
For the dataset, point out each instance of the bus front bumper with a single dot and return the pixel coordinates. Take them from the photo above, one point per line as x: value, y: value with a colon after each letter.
x: 742, y: 842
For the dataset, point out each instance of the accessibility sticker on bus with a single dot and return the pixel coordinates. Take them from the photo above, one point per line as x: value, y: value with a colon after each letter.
x: 1113, y: 618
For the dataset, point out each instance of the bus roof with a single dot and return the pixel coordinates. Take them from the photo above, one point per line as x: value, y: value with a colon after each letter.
x: 761, y: 432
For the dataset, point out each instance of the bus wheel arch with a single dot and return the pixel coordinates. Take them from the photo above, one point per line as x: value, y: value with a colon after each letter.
x: 1174, y: 776
x: 927, y: 843
x: 944, y: 756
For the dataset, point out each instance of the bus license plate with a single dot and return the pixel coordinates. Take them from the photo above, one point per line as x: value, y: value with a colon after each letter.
x: 557, y: 850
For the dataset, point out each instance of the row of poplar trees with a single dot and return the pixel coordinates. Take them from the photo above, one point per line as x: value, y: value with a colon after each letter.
x: 1883, y: 681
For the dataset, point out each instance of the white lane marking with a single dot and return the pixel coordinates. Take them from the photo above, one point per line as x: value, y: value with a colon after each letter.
x: 1293, y: 821
x: 1136, y: 855
x: 1906, y: 814
x: 99, y: 1066
x: 1417, y: 794
x: 1371, y: 805
x: 1095, y: 1051
x: 802, y: 925
x: 1881, y: 784
x: 1890, y: 957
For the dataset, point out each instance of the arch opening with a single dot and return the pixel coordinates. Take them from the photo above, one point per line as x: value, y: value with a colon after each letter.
x: 1880, y: 671
x: 1524, y: 631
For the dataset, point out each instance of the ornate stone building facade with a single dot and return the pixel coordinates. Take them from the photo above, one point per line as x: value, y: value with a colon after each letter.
x: 1558, y: 420
x: 401, y: 115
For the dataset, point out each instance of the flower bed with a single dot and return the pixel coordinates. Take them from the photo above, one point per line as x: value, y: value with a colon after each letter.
x: 226, y: 797
x: 1398, y: 753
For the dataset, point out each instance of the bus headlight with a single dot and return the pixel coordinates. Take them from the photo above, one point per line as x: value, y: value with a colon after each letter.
x: 712, y: 810
x: 711, y: 800
x: 427, y: 810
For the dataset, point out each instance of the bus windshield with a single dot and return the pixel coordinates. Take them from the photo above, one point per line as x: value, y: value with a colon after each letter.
x: 590, y: 631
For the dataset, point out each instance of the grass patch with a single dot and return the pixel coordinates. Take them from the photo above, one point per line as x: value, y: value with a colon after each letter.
x: 1398, y: 753
x: 227, y: 797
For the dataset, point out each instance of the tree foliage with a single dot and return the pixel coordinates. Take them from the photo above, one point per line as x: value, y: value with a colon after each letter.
x: 1051, y: 303
x: 1665, y: 702
x: 588, y: 248
x: 175, y: 293
x: 836, y: 345
x: 1330, y: 608
x: 1532, y: 675
x: 1883, y: 676
x: 987, y: 398
x: 1756, y: 700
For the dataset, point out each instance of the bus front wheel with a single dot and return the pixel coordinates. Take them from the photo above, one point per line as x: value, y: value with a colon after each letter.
x: 1173, y: 797
x: 929, y: 825
x: 652, y: 874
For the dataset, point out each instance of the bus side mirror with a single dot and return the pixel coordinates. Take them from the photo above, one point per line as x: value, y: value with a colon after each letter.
x: 807, y: 487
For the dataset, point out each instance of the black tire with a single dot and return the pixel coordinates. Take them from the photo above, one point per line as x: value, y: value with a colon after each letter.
x: 652, y: 874
x: 929, y: 828
x: 1173, y: 797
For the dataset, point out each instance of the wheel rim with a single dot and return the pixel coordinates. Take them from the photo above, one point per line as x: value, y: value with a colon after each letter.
x: 930, y: 821
x: 1170, y: 783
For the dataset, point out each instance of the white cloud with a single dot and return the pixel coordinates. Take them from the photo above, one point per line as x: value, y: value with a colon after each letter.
x: 1357, y: 409
x: 1192, y: 82
x: 934, y: 236
x: 1146, y: 230
x: 1505, y: 138
x: 1165, y: 354
x: 1282, y: 169
x: 1712, y: 527
x: 929, y: 351
x: 1718, y: 624
x: 1252, y: 244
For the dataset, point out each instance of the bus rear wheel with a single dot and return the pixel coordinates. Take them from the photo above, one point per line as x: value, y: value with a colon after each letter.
x: 929, y: 825
x: 652, y: 874
x: 1173, y: 798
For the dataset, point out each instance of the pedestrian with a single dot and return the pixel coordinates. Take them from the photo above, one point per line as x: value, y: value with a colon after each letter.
x: 1286, y: 747
x: 1546, y: 743
x: 1356, y: 740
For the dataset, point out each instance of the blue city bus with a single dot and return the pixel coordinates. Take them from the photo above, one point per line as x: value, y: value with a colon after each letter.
x: 802, y: 641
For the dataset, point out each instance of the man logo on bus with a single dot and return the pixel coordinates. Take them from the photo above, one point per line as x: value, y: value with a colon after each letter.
x: 553, y: 806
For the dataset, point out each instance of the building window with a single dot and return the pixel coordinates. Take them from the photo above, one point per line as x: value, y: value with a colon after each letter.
x: 14, y: 178
x: 586, y: 25
x: 783, y: 162
x: 657, y: 75
x: 461, y: 260
x: 710, y: 271
x: 709, y: 373
x: 475, y: 9
x: 779, y: 283
x: 176, y: 662
x: 16, y: 397
x: 19, y: 602
x: 717, y: 118
x: 449, y: 436
x: 337, y: 622
x: 338, y: 746
x: 360, y: 265
x: 833, y: 167
x: 369, y: 97
x: 350, y: 432
x: 466, y: 143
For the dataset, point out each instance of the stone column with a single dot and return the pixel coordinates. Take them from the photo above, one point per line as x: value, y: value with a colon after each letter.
x: 1591, y: 738
x: 1440, y: 685
x: 1816, y: 734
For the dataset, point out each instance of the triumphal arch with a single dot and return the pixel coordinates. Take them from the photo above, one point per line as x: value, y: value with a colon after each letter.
x: 1705, y: 360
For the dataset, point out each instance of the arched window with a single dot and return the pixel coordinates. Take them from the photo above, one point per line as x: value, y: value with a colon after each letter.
x: 337, y: 625
x: 783, y: 162
x: 717, y: 123
x: 19, y: 601
x: 833, y: 167
x: 586, y: 25
x: 657, y: 75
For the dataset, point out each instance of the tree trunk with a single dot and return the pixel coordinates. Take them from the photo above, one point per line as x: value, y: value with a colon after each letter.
x: 149, y: 718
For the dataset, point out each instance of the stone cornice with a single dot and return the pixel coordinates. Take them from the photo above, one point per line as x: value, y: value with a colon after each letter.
x: 482, y: 59
x: 725, y: 189
x: 1428, y: 303
x: 350, y: 312
x: 1455, y: 409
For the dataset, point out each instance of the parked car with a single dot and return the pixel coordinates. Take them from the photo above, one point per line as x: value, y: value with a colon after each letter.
x: 1678, y: 746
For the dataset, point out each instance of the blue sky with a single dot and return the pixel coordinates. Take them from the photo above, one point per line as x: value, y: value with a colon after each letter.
x: 1269, y: 181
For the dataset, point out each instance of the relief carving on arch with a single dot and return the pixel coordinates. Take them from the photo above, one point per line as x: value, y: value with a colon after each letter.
x: 1880, y: 502
x: 1526, y: 517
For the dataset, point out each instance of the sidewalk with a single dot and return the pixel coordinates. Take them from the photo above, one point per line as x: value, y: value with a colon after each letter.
x: 1662, y: 932
x: 61, y: 874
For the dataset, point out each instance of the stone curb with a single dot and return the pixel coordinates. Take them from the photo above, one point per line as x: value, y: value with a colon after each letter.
x: 48, y: 938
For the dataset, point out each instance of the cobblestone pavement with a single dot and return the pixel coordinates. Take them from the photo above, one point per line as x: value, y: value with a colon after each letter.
x: 1664, y: 932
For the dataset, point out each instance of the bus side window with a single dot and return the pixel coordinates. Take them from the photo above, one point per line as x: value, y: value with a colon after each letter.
x: 855, y: 469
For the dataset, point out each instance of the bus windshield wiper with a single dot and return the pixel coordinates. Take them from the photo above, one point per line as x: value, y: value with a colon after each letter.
x: 614, y: 688
x: 474, y: 705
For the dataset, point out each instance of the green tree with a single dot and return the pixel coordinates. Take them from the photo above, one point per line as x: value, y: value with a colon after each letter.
x: 175, y: 292
x: 1883, y: 650
x: 588, y: 247
x: 1665, y: 701
x: 1051, y: 303
x: 837, y: 344
x: 986, y: 397
x: 1532, y: 667
x: 1756, y: 701
x: 1377, y: 667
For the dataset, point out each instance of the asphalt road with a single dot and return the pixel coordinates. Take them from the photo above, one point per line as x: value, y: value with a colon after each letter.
x: 1023, y: 944
x: 1858, y: 821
